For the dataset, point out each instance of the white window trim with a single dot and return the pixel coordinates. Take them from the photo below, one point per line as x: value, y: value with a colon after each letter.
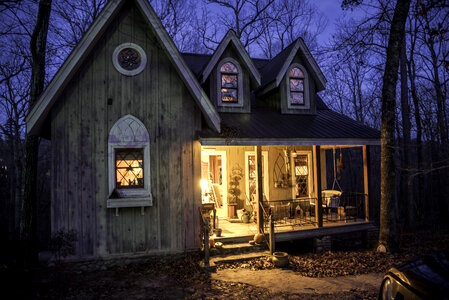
x: 310, y: 179
x: 117, y: 65
x: 265, y: 174
x: 239, y: 82
x: 138, y: 197
x: 306, y: 88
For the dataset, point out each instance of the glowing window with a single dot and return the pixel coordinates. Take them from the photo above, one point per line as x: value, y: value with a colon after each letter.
x: 129, y: 168
x: 229, y: 83
x: 301, y: 175
x: 296, y: 82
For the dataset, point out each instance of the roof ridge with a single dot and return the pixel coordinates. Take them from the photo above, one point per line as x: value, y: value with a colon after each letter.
x: 286, y: 48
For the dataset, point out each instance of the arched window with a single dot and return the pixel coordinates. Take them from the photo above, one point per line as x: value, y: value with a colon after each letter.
x: 229, y: 83
x: 296, y: 86
x: 129, y: 162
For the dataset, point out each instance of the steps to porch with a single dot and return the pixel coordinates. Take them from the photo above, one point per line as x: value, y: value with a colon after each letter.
x: 238, y: 248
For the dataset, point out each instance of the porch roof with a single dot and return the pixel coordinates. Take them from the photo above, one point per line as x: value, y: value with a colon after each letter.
x: 264, y: 126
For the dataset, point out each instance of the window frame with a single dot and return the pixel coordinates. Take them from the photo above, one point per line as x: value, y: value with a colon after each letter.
x: 135, y: 47
x: 239, y: 102
x: 265, y: 174
x: 306, y: 104
x: 310, y: 176
x: 129, y: 133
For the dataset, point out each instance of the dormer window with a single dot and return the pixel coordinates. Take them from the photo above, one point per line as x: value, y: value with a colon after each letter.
x: 229, y: 83
x: 297, y: 87
x: 296, y: 80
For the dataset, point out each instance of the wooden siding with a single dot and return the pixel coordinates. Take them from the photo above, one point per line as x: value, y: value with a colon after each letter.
x: 81, y: 121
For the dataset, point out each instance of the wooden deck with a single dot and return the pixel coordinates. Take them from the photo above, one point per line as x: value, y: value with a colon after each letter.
x: 245, y: 232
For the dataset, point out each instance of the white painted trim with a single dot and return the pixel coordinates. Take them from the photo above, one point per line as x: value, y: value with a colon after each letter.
x: 231, y: 37
x: 224, y: 174
x: 265, y: 175
x: 287, y: 142
x: 37, y: 115
x: 321, y: 83
x: 240, y: 99
x: 117, y: 65
x: 309, y: 179
x: 136, y: 137
x: 306, y: 91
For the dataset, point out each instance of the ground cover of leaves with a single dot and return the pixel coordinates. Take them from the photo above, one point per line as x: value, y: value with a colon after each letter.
x: 183, y: 278
x: 342, y: 263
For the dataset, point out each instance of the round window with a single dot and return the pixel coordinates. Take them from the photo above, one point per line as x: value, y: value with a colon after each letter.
x: 129, y: 59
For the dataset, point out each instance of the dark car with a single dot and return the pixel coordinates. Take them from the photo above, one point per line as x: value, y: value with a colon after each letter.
x: 426, y: 278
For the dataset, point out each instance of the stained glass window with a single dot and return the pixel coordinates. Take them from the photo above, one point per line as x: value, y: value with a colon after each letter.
x: 129, y: 59
x: 296, y: 81
x: 302, y: 175
x: 229, y: 83
x: 129, y: 168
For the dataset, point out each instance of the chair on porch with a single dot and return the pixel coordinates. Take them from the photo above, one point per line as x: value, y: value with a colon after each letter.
x: 331, y: 201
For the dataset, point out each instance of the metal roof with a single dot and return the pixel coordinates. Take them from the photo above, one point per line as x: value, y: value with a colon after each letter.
x: 265, y: 123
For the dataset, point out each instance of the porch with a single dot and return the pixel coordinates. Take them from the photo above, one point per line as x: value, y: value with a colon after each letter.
x: 246, y: 186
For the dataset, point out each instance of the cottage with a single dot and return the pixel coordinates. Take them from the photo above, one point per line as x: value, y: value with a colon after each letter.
x: 143, y: 135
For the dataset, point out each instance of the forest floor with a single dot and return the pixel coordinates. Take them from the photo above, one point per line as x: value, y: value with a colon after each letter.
x: 330, y: 275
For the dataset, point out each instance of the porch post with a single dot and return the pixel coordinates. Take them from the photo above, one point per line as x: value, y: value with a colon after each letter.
x: 366, y: 169
x: 317, y: 177
x: 259, y: 188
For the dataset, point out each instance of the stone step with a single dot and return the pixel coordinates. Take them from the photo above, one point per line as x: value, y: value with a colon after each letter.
x: 237, y: 248
x: 234, y: 239
x: 238, y: 257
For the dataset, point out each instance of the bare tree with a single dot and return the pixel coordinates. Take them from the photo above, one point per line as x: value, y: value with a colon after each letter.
x: 387, y: 231
x: 181, y: 21
x: 38, y: 45
x: 286, y: 20
x: 242, y: 16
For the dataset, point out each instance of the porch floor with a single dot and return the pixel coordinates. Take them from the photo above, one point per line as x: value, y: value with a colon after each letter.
x: 231, y: 229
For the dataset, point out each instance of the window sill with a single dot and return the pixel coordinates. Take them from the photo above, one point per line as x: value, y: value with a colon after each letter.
x: 231, y: 104
x: 129, y: 202
x: 130, y: 198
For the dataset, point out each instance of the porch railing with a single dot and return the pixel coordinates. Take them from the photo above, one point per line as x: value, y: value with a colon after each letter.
x: 347, y: 207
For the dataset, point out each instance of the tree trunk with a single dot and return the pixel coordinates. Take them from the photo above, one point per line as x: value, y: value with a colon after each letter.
x: 38, y: 45
x: 387, y: 232
x: 419, y: 131
x: 407, y: 196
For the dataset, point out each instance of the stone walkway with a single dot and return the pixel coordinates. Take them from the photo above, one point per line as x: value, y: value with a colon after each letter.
x: 278, y: 280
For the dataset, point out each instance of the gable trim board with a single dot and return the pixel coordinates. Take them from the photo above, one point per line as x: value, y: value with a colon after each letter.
x: 231, y: 37
x: 39, y: 112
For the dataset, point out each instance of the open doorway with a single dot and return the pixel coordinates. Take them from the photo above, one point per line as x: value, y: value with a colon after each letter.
x: 214, y: 180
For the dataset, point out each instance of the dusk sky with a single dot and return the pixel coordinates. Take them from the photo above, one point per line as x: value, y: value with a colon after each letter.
x: 332, y: 10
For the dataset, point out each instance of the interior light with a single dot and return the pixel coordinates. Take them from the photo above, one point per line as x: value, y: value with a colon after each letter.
x: 204, y: 186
